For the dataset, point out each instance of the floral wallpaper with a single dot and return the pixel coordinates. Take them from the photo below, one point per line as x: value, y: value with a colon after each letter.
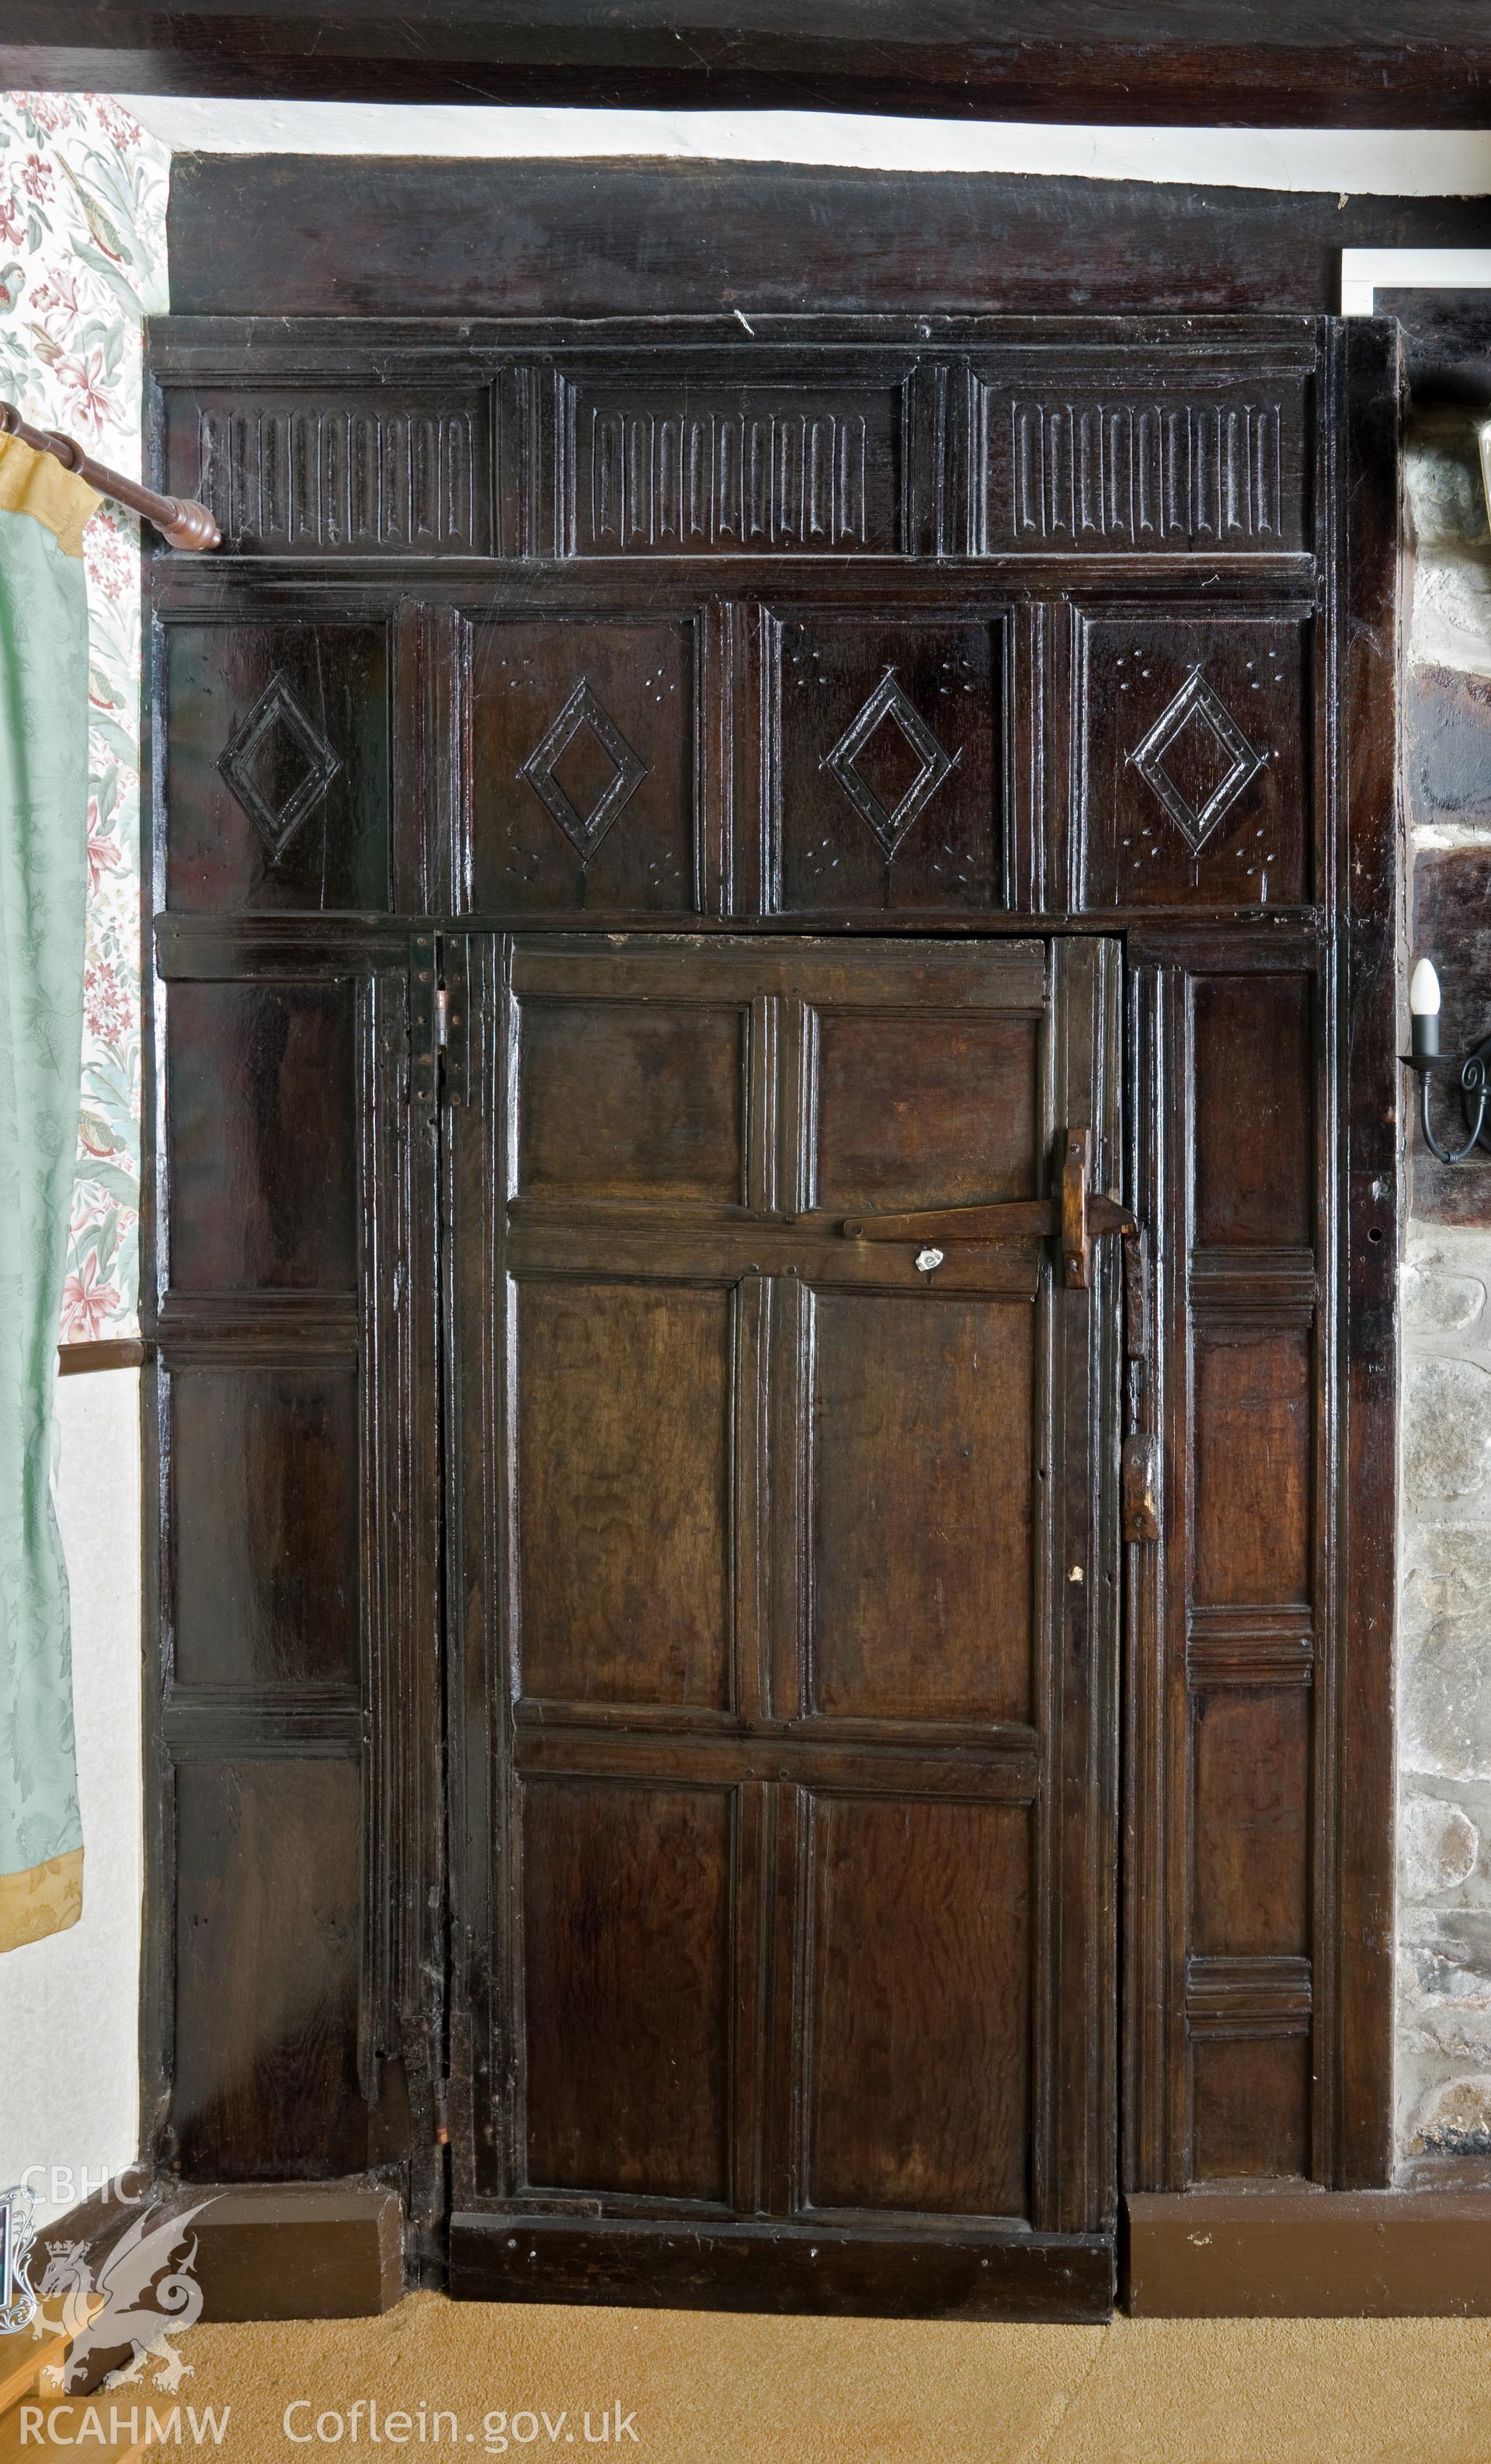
x: 82, y: 262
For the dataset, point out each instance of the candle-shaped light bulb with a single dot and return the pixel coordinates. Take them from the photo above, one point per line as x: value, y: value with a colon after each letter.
x: 1423, y: 1002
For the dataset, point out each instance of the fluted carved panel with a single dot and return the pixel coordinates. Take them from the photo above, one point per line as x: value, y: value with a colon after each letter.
x: 665, y: 473
x: 1122, y: 472
x: 297, y: 476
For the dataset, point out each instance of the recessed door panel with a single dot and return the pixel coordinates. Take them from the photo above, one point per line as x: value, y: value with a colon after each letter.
x: 260, y: 1099
x: 938, y: 1111
x: 1250, y: 2101
x: 264, y: 1463
x: 920, y: 1571
x: 1255, y: 1112
x: 1254, y: 1455
x: 624, y: 1483
x: 1251, y: 1877
x: 623, y: 1100
x: 625, y: 1491
x: 919, y: 2048
x: 625, y: 1969
x: 268, y: 1922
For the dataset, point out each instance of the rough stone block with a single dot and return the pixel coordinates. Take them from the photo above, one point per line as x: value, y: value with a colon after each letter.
x: 1447, y: 737
x: 1446, y: 502
x: 1445, y: 1574
x: 1452, y: 612
x: 1447, y: 1431
x: 1445, y: 1700
x: 1440, y: 1845
x: 1444, y: 1282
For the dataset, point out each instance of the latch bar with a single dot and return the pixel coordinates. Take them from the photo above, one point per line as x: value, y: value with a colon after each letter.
x: 1078, y: 1217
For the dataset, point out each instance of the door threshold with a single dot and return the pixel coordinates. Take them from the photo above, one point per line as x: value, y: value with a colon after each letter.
x: 771, y: 2267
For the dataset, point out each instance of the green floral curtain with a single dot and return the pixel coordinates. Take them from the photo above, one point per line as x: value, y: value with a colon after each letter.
x: 43, y: 827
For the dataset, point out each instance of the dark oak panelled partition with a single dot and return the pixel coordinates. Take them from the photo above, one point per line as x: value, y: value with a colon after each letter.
x: 775, y: 1765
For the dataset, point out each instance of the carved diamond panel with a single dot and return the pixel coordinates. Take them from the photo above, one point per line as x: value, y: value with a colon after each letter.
x: 887, y: 706
x: 279, y: 732
x: 290, y: 814
x: 585, y: 766
x: 1198, y: 707
x: 884, y: 781
x: 585, y: 831
x: 1195, y: 776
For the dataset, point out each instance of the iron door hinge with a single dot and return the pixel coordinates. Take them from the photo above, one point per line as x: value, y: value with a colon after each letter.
x: 1141, y: 1512
x: 437, y: 1019
x: 423, y: 977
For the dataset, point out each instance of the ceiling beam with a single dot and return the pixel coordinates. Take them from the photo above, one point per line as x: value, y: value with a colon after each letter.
x: 336, y: 235
x: 1234, y: 63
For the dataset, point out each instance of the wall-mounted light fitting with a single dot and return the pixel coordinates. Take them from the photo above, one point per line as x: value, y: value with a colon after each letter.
x: 1475, y: 1072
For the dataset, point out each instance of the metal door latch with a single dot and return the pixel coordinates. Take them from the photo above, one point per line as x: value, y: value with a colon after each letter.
x: 1078, y: 1217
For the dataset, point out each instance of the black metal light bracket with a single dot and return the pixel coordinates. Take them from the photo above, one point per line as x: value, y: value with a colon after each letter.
x: 1475, y: 1082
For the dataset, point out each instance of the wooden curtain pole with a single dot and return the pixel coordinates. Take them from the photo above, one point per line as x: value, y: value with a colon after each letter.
x: 181, y: 520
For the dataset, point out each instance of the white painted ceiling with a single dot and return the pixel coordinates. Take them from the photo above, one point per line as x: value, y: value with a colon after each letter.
x: 1356, y: 163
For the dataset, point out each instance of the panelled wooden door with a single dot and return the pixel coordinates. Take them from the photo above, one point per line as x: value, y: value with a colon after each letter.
x: 787, y: 1566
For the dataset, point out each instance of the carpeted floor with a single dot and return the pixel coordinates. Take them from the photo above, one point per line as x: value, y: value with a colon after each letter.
x: 707, y: 2388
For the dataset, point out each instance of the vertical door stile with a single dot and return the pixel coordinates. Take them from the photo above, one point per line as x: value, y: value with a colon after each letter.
x: 754, y: 1807
x: 1145, y: 2099
x: 497, y: 1849
x: 786, y: 1577
x: 1084, y: 1605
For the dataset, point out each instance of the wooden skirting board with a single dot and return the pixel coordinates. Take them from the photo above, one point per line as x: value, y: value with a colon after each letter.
x: 1308, y: 2254
x: 299, y: 2251
x: 272, y: 2250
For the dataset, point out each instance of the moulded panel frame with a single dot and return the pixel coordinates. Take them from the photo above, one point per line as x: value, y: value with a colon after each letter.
x: 760, y: 756
x: 636, y: 600
x: 1253, y: 601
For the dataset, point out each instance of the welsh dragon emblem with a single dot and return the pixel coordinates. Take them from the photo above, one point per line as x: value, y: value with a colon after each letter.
x: 123, y: 2303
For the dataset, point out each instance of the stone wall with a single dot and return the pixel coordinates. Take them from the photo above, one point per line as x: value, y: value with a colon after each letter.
x: 1444, y: 1682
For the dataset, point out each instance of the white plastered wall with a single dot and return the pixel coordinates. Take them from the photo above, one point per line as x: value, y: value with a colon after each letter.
x: 69, y: 2067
